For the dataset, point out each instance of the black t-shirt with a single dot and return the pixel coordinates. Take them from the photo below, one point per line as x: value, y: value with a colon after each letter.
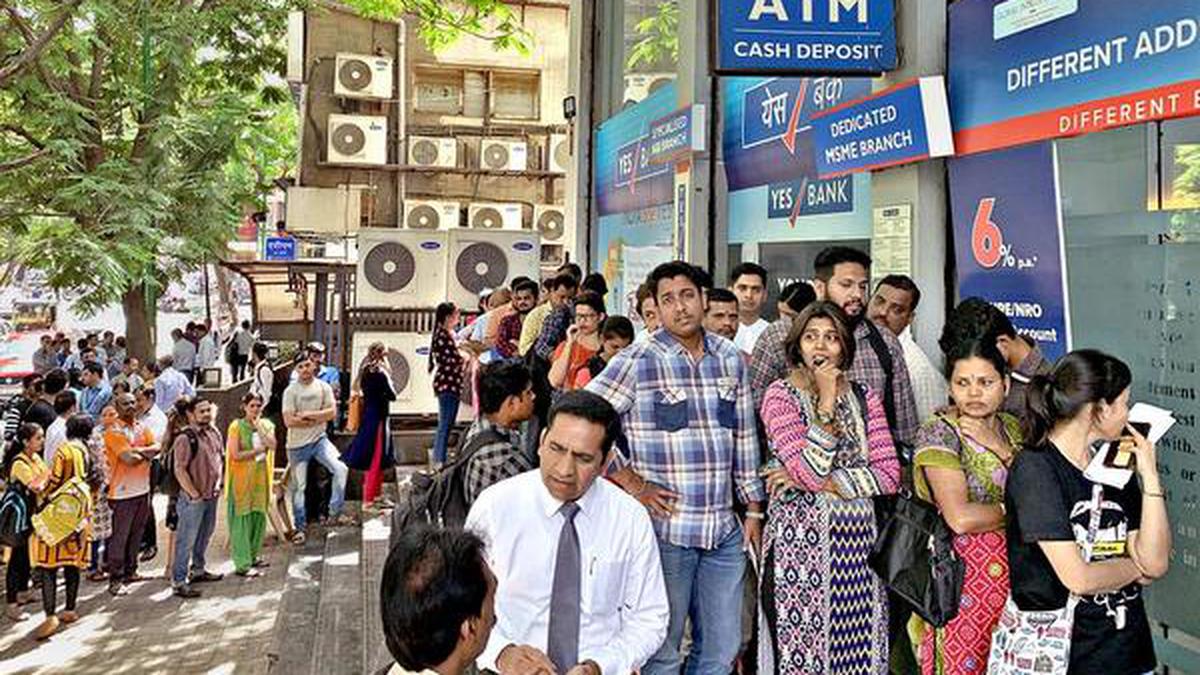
x: 1048, y: 499
x: 40, y: 413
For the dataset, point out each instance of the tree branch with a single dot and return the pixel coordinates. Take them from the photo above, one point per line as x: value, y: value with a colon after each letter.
x: 23, y: 134
x: 15, y: 164
x: 35, y: 45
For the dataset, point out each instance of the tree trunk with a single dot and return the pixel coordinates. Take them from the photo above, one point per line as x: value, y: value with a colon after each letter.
x: 139, y: 323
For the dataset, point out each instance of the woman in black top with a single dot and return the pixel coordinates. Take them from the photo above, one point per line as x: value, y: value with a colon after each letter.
x: 1082, y: 402
x: 371, y: 451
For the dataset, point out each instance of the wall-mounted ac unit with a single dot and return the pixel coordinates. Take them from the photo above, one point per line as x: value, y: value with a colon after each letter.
x: 408, y: 364
x: 495, y: 216
x: 357, y: 139
x: 497, y: 154
x: 363, y: 76
x: 640, y: 85
x: 432, y: 151
x: 480, y: 259
x: 549, y: 221
x: 420, y: 214
x: 324, y: 210
x: 400, y: 268
x: 558, y: 155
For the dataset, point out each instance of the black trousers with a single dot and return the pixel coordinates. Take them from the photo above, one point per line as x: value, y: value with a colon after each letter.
x: 16, y: 576
x: 50, y: 583
x: 317, y: 492
x: 237, y: 364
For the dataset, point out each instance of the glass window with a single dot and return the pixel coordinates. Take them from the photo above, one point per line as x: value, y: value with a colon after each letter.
x: 515, y: 95
x: 651, y: 47
x: 438, y: 91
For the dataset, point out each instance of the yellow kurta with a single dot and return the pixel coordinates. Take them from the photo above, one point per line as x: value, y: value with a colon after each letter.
x: 75, y: 550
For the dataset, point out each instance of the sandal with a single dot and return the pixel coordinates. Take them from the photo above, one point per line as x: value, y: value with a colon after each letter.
x: 298, y: 539
x: 98, y: 575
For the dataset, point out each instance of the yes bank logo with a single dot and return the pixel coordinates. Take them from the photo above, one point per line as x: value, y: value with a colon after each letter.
x: 811, y: 11
x: 633, y: 164
x: 807, y: 197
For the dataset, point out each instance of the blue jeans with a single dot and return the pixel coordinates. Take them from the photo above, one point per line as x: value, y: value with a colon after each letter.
x: 197, y: 519
x: 706, y: 585
x: 326, y: 455
x: 447, y: 414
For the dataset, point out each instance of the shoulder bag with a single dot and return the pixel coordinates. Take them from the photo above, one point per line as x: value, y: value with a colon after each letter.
x: 1038, y: 642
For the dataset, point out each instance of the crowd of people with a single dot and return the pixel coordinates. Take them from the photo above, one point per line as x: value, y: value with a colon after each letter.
x: 705, y: 493
x: 694, y: 487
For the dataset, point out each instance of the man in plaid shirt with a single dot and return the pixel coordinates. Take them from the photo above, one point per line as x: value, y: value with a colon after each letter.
x: 505, y: 402
x: 685, y: 407
x: 508, y: 333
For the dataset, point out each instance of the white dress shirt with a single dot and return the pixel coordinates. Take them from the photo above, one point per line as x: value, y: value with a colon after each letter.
x: 208, y: 351
x: 929, y: 384
x: 155, y: 420
x: 623, y: 600
x: 56, y: 435
x: 747, y: 336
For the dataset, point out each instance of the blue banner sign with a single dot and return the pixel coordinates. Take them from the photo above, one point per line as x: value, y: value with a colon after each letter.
x: 1008, y: 240
x: 279, y: 249
x: 670, y: 137
x: 906, y: 123
x: 1074, y: 68
x: 626, y: 180
x: 804, y: 197
x: 806, y: 36
x: 768, y: 124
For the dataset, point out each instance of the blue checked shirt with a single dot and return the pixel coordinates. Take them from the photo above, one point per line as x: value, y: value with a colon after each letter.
x: 691, y: 429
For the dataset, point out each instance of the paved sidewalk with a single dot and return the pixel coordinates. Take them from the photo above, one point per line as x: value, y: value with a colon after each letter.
x: 228, y: 630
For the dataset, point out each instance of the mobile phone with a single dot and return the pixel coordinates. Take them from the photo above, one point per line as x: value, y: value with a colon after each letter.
x: 1118, y: 458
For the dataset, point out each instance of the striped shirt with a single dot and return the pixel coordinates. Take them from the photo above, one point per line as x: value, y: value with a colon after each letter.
x: 691, y: 429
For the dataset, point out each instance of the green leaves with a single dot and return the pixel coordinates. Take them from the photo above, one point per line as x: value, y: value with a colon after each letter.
x: 442, y: 23
x: 658, y: 42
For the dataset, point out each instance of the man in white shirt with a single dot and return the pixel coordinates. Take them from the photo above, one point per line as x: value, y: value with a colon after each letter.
x: 56, y: 433
x: 150, y: 415
x: 580, y: 588
x: 892, y: 307
x: 184, y: 354
x: 438, y: 601
x: 262, y: 375
x: 748, y: 281
x: 207, y: 349
x: 243, y: 342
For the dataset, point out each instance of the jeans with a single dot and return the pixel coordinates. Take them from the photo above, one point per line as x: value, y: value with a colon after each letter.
x: 197, y: 520
x: 326, y: 455
x: 707, y: 586
x: 447, y: 413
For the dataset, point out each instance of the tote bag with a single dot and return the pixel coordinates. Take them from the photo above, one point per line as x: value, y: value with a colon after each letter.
x: 1038, y: 642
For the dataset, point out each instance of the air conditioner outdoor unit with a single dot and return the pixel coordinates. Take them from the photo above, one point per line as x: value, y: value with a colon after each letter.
x: 549, y: 221
x: 420, y: 214
x: 640, y: 85
x: 363, y: 76
x: 408, y: 364
x: 480, y: 260
x: 357, y: 139
x: 400, y: 268
x: 324, y: 210
x: 559, y: 153
x: 503, y: 155
x: 432, y: 151
x: 495, y: 216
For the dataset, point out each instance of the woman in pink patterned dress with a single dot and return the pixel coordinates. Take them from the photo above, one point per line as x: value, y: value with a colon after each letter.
x: 825, y: 611
x: 961, y: 465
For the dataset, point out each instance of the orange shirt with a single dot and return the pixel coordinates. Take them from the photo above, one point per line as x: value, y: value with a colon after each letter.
x: 580, y: 355
x: 127, y: 481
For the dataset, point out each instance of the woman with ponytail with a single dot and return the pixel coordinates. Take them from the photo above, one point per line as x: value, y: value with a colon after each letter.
x: 448, y: 380
x: 1082, y: 404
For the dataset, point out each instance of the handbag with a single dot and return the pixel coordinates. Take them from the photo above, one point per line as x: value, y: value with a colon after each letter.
x: 914, y: 556
x: 67, y: 509
x: 1029, y: 642
x: 354, y: 412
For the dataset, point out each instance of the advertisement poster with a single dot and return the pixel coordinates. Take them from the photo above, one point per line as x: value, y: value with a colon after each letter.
x: 774, y: 192
x: 1074, y: 68
x: 1008, y: 240
x: 635, y: 197
x: 832, y: 36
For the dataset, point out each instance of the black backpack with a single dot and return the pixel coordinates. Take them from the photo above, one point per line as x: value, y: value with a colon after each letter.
x: 168, y: 484
x: 16, y: 513
x: 439, y: 498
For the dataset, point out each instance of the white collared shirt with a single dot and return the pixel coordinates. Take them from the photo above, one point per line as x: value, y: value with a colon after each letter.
x: 747, y: 336
x: 928, y: 383
x: 623, y: 600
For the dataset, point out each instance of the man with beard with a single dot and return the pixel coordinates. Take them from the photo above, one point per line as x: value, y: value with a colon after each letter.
x: 508, y: 333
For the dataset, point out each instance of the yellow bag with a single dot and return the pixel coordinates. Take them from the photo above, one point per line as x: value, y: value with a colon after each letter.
x: 354, y: 412
x: 66, y: 512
